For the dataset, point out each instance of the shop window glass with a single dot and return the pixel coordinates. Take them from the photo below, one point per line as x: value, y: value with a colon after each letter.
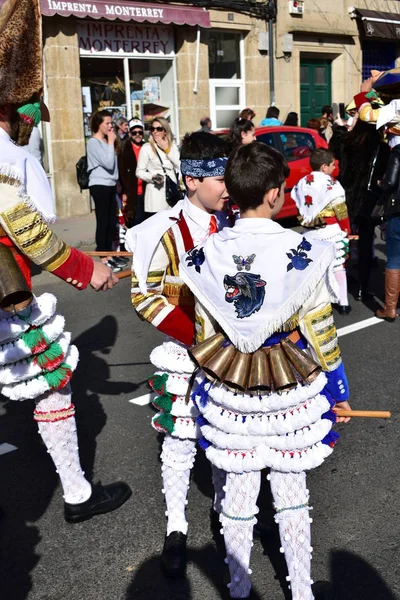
x: 376, y: 55
x: 226, y: 95
x: 297, y: 145
x: 225, y: 118
x: 224, y: 55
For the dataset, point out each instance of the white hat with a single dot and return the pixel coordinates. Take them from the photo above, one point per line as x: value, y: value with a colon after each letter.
x: 135, y: 123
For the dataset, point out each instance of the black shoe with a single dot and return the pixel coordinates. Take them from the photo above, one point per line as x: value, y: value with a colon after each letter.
x: 173, y: 557
x: 114, y: 266
x: 343, y: 309
x: 104, y: 499
x: 323, y: 590
x: 121, y: 260
x: 363, y: 296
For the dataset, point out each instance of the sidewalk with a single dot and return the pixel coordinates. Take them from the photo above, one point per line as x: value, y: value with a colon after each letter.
x: 78, y: 232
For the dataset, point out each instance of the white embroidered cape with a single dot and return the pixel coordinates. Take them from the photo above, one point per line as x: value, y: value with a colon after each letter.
x: 250, y: 304
x: 34, y: 189
x: 314, y: 192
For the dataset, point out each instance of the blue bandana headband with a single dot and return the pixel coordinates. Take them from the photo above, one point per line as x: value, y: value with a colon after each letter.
x: 214, y: 167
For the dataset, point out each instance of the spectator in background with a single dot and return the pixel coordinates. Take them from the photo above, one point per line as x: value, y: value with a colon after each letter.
x: 158, y: 158
x: 242, y: 132
x: 314, y: 124
x: 35, y: 146
x: 132, y: 188
x: 122, y: 128
x: 247, y: 113
x: 103, y: 177
x: 325, y: 129
x: 327, y: 112
x: 292, y: 120
x: 206, y: 125
x: 272, y: 117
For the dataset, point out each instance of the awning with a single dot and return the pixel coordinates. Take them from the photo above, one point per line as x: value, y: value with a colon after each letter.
x: 128, y: 11
x: 375, y: 24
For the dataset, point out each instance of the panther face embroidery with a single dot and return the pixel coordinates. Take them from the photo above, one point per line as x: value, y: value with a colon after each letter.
x: 246, y: 291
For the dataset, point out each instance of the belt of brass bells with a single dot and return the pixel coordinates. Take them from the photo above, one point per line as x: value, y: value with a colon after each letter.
x: 261, y: 372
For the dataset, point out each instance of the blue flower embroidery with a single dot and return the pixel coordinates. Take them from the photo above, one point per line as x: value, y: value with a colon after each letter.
x: 298, y: 258
x: 196, y: 258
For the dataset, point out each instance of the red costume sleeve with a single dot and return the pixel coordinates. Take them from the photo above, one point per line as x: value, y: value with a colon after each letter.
x: 179, y: 324
x: 77, y: 269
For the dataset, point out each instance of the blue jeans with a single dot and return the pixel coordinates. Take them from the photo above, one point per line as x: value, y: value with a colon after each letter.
x: 393, y: 243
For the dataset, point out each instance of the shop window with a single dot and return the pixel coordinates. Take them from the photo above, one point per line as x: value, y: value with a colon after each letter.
x: 151, y: 91
x: 227, y: 92
x: 377, y: 55
x: 224, y: 55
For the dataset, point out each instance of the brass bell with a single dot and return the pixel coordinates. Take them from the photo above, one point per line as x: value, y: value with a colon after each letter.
x: 282, y: 373
x: 260, y: 373
x: 15, y: 294
x: 238, y: 374
x: 307, y: 368
x: 219, y: 364
x: 202, y: 352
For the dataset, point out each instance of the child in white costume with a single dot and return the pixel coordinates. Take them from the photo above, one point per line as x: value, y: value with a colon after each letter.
x: 267, y: 291
x: 320, y: 200
x: 161, y: 298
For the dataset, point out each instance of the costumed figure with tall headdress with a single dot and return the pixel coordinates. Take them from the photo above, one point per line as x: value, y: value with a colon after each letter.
x: 161, y: 298
x: 36, y: 357
x: 321, y: 202
x: 270, y: 369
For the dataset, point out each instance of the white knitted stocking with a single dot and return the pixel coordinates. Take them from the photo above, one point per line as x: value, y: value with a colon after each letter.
x: 219, y: 481
x: 238, y: 518
x: 177, y: 458
x: 54, y: 414
x: 291, y: 503
x: 341, y: 279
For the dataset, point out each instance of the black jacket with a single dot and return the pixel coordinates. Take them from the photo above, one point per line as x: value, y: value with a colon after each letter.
x: 391, y: 183
x: 127, y: 176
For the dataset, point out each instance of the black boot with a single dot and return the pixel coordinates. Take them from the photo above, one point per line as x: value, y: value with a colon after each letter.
x: 173, y: 557
x: 104, y: 499
x: 343, y: 309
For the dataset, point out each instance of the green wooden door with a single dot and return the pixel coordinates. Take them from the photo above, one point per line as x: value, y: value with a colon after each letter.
x: 315, y: 88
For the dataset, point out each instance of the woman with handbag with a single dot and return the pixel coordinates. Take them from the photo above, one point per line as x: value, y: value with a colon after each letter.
x: 159, y: 166
x: 391, y: 188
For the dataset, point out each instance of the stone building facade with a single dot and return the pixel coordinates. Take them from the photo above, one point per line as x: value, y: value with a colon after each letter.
x: 132, y: 57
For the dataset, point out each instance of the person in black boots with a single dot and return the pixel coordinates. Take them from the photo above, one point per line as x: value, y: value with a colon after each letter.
x: 391, y: 187
x: 363, y: 157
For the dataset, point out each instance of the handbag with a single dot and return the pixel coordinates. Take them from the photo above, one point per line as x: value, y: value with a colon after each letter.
x: 173, y: 192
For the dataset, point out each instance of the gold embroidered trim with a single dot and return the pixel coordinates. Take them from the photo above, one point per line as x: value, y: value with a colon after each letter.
x: 322, y: 332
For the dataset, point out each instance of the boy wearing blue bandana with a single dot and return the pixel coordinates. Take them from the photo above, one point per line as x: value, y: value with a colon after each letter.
x: 271, y: 371
x: 161, y: 298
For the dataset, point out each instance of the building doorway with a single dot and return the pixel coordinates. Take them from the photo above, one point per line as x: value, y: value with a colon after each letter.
x: 315, y: 87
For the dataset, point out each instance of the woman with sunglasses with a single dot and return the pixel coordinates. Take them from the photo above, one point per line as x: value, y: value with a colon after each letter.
x: 132, y: 188
x: 158, y: 158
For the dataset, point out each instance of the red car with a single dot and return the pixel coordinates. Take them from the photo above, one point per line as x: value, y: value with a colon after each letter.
x: 296, y: 144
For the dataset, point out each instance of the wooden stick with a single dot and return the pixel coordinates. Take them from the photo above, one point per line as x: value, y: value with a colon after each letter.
x: 353, y: 237
x: 377, y: 414
x: 105, y: 254
x: 123, y: 274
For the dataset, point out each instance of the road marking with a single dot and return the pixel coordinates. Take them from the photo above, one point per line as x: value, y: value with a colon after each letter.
x: 6, y: 448
x: 145, y: 399
x: 357, y: 326
x: 148, y: 398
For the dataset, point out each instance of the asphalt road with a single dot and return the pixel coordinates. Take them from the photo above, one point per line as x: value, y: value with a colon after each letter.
x: 355, y: 493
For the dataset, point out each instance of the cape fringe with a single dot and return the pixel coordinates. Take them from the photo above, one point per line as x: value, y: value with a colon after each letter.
x: 251, y: 344
x: 15, y: 177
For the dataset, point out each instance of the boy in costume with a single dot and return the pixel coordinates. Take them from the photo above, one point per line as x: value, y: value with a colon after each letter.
x: 320, y: 200
x: 161, y: 298
x: 36, y: 358
x: 271, y: 369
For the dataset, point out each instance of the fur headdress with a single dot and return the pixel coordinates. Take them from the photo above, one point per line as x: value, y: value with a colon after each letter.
x: 21, y: 73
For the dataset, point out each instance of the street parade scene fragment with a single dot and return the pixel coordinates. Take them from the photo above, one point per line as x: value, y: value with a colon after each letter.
x: 222, y: 422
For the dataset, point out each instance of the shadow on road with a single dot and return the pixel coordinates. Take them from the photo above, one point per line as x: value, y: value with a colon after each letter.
x: 355, y: 579
x: 28, y: 477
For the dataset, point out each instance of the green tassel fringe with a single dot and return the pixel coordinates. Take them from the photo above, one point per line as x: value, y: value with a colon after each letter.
x: 35, y: 339
x: 49, y: 356
x: 32, y: 111
x: 158, y: 383
x: 58, y: 378
x: 164, y: 422
x: 163, y: 402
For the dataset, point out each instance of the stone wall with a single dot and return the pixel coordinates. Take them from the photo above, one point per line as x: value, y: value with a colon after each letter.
x: 62, y: 71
